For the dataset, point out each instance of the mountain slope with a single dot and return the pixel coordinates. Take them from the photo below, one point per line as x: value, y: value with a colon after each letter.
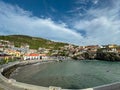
x: 34, y: 42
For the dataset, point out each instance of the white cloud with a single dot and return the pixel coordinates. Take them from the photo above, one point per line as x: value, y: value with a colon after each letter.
x: 95, y: 1
x: 15, y: 20
x: 102, y: 25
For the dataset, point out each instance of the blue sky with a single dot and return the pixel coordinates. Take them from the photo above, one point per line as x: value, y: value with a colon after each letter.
x: 81, y: 22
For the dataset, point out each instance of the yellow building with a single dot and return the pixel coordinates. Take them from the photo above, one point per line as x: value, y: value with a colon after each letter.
x: 112, y: 45
x: 13, y: 53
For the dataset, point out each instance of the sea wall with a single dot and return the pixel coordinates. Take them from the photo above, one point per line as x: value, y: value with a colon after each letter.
x: 24, y: 85
x: 113, y: 86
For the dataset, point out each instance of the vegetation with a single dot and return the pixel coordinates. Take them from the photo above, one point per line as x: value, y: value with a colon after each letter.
x: 85, y: 56
x: 1, y: 88
x: 34, y: 42
x: 4, y: 61
x: 99, y: 55
x: 108, y: 56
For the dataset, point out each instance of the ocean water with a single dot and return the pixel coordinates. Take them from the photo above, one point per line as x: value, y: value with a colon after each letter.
x: 69, y: 74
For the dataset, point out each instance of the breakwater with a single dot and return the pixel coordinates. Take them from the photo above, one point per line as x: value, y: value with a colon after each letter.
x: 114, y: 86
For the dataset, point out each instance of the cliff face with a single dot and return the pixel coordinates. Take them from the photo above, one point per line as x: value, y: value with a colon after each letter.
x: 108, y: 56
x: 86, y: 55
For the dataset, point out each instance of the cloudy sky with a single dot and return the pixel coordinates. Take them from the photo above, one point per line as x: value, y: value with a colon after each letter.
x: 81, y: 22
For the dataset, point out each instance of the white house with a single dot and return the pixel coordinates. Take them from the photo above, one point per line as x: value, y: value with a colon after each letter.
x: 34, y: 56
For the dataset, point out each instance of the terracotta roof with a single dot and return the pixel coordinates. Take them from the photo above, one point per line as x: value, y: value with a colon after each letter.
x: 42, y: 54
x: 1, y: 46
x: 32, y: 54
x: 35, y: 54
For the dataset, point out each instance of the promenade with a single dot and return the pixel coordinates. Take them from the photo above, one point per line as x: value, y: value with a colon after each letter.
x: 9, y: 84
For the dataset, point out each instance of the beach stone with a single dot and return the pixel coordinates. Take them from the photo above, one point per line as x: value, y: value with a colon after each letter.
x: 54, y: 88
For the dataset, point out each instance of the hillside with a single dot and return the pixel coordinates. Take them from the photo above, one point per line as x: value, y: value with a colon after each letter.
x: 34, y: 42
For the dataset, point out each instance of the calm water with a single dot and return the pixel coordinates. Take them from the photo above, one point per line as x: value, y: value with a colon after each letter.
x: 69, y: 74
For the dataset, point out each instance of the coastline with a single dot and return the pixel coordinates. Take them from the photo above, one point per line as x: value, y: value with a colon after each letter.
x: 24, y: 86
x: 8, y: 71
x: 19, y: 85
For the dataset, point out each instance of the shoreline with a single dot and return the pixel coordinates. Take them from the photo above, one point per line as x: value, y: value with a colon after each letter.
x: 20, y: 85
x: 25, y: 86
x: 8, y: 71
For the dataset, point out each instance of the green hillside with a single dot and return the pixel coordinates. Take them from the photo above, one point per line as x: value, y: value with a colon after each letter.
x: 34, y: 42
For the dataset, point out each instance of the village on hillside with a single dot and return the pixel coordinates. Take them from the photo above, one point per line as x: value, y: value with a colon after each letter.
x: 8, y: 51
